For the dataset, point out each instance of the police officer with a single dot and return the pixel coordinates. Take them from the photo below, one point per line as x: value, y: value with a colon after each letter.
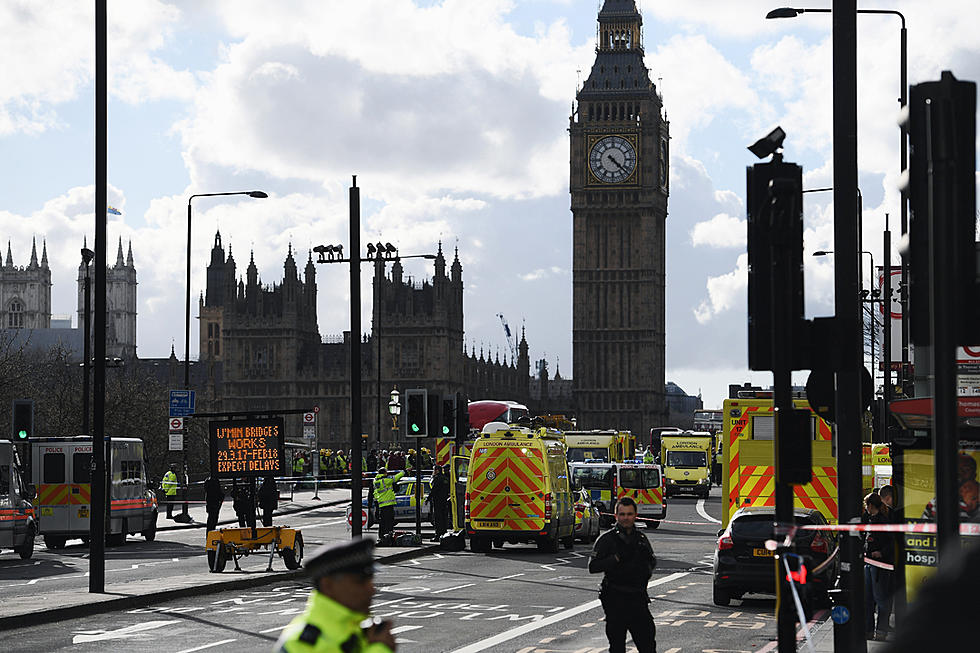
x: 214, y: 495
x: 298, y: 465
x: 626, y: 558
x: 169, y: 487
x: 648, y: 456
x: 438, y: 499
x: 335, y: 614
x: 384, y: 496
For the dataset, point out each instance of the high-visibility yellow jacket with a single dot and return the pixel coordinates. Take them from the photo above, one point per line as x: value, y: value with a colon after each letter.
x: 169, y: 484
x: 298, y: 465
x: 326, y: 627
x: 384, y: 489
x: 648, y: 458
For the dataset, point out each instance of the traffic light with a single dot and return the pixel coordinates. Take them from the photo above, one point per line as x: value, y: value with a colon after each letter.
x: 448, y: 417
x: 23, y: 419
x: 794, y: 446
x: 416, y: 424
x: 942, y: 191
x: 774, y: 204
x: 462, y: 416
x: 434, y: 415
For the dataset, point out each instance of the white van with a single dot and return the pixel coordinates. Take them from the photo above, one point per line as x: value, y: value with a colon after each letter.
x: 61, y: 473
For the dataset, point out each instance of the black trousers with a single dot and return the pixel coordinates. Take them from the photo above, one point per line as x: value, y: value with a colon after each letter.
x: 170, y: 506
x: 387, y: 521
x: 267, y: 516
x: 212, y: 519
x: 440, y: 516
x: 628, y: 612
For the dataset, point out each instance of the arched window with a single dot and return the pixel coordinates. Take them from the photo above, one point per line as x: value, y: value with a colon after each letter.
x: 15, y: 314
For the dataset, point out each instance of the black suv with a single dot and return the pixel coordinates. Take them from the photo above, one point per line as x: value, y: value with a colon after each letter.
x: 744, y: 565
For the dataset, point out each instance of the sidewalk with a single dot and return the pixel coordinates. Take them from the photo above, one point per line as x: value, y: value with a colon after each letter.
x: 58, y: 606
x: 822, y: 637
x: 301, y: 500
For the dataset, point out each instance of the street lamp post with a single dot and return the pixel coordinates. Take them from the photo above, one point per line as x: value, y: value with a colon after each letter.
x: 394, y: 409
x: 87, y: 256
x: 790, y: 12
x: 258, y: 194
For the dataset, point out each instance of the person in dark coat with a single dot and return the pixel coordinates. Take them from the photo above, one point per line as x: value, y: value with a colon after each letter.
x: 879, y: 555
x: 268, y: 499
x: 244, y: 505
x: 214, y: 496
x: 438, y: 500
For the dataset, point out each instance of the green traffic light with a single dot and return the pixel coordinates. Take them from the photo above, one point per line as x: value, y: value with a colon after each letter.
x: 445, y: 430
x: 415, y: 428
x: 22, y: 434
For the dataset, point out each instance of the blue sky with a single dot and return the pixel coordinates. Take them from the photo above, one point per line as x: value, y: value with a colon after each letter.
x: 454, y: 116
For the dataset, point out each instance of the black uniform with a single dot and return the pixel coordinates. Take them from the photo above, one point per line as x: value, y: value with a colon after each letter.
x: 627, y: 560
x: 244, y: 505
x: 213, y: 497
x: 438, y: 497
x: 268, y: 499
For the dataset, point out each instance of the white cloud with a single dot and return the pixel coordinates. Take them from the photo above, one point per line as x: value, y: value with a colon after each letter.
x: 723, y: 291
x: 720, y: 231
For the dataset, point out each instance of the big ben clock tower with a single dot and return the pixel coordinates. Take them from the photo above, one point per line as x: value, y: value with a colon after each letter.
x: 619, y: 186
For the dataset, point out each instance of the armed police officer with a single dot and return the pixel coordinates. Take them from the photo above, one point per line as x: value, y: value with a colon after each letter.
x: 336, y: 616
x: 626, y: 558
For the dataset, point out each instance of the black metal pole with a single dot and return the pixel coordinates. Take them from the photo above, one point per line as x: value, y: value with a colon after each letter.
x: 886, y: 325
x: 418, y: 491
x: 848, y: 636
x: 942, y: 325
x: 377, y: 334
x: 187, y: 354
x: 355, y: 357
x: 86, y: 350
x: 97, y: 519
x: 903, y: 101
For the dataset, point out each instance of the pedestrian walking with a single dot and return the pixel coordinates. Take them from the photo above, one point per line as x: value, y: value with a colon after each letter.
x: 214, y: 496
x: 438, y: 498
x: 244, y: 504
x: 336, y: 617
x: 384, y: 495
x: 878, y: 570
x: 625, y: 557
x: 169, y: 487
x: 268, y: 499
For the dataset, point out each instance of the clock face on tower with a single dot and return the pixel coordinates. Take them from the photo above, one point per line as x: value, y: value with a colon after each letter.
x: 612, y: 159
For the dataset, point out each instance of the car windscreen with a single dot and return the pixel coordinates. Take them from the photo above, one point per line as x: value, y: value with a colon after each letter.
x: 639, y: 479
x: 686, y: 459
x: 592, y: 478
x: 753, y: 527
x: 578, y: 455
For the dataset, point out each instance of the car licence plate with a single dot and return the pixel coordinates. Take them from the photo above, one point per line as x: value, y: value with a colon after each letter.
x: 489, y: 524
x: 762, y: 553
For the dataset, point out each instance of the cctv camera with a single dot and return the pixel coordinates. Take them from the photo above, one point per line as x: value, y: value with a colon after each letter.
x: 768, y: 144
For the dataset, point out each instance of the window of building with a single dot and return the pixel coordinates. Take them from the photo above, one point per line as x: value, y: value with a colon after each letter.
x: 15, y: 314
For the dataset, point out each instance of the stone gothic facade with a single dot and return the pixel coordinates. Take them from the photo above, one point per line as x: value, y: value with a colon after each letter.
x: 262, y: 348
x: 25, y: 292
x: 120, y: 301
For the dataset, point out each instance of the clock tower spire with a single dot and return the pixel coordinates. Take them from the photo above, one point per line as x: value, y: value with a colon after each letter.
x: 619, y: 186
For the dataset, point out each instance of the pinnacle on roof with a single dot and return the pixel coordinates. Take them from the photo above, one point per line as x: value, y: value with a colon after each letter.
x: 44, y: 253
x: 33, y: 263
x: 129, y: 254
x: 10, y: 259
x: 618, y: 9
x: 119, y: 255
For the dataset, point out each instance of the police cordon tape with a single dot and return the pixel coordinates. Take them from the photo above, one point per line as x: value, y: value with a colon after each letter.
x: 666, y: 521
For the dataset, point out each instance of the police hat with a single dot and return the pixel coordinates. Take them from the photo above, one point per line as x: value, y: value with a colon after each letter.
x: 354, y: 556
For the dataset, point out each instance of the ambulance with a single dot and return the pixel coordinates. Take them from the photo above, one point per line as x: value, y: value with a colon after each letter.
x: 62, y: 474
x: 17, y: 523
x: 607, y: 446
x: 876, y: 466
x: 606, y: 483
x: 518, y: 489
x: 686, y: 458
x: 748, y: 473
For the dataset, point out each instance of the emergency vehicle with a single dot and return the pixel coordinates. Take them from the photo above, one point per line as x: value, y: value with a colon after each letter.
x: 876, y: 466
x: 607, y: 446
x: 518, y: 490
x: 608, y: 482
x: 17, y: 523
x: 749, y: 459
x: 687, y: 458
x: 61, y: 472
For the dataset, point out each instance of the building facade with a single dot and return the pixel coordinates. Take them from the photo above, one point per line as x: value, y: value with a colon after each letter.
x: 120, y: 301
x: 619, y: 183
x: 25, y: 292
x: 262, y: 348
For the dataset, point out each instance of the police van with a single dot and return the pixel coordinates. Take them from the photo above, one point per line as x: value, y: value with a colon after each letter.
x: 62, y: 474
x: 17, y: 524
x: 609, y: 482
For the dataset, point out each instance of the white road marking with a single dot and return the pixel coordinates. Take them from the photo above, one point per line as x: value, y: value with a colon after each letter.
x: 508, y: 635
x: 494, y: 580
x: 449, y: 589
x: 403, y: 629
x: 272, y: 630
x: 211, y: 645
x: 128, y: 631
x: 700, y: 508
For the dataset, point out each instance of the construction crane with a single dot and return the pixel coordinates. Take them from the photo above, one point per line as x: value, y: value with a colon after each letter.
x: 508, y: 337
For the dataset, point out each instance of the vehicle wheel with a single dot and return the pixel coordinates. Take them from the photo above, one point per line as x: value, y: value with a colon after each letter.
x: 115, y: 539
x: 54, y: 542
x: 653, y: 524
x: 150, y: 533
x: 294, y: 556
x: 217, y: 559
x: 568, y: 542
x: 26, y: 550
x: 720, y: 596
x: 478, y: 544
x: 549, y: 544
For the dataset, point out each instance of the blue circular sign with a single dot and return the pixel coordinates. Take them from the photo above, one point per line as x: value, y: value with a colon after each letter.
x: 840, y: 614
